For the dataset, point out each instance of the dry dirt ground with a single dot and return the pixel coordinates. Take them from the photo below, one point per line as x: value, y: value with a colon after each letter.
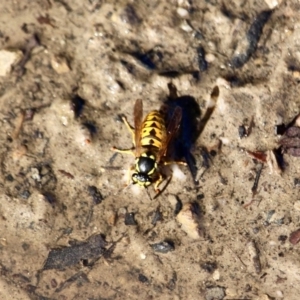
x: 66, y: 228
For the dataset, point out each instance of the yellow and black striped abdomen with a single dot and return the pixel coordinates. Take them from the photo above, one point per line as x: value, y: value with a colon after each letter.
x: 153, y: 130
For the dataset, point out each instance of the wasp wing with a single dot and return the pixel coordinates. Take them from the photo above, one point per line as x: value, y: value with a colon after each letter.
x: 172, y: 129
x: 138, y: 119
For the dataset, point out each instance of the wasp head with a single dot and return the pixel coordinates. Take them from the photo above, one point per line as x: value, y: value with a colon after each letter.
x: 145, y: 167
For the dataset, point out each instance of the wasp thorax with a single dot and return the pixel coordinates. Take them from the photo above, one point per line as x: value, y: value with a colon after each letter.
x: 145, y: 165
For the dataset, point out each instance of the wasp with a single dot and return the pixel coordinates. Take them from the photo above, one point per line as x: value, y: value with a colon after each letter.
x: 151, y: 139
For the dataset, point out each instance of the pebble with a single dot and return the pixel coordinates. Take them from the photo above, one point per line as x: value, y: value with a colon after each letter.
x: 19, y: 152
x: 297, y: 121
x: 7, y: 60
x: 273, y: 3
x: 183, y: 13
x: 296, y: 74
x: 185, y: 3
x: 59, y: 65
x: 143, y: 256
x: 163, y: 247
x: 297, y: 205
x: 214, y: 293
x: 295, y: 237
x: 279, y: 294
x: 35, y: 174
x: 210, y: 57
x: 216, y: 275
x: 254, y: 255
x: 112, y: 219
x: 178, y: 173
x: 189, y: 217
x: 185, y: 26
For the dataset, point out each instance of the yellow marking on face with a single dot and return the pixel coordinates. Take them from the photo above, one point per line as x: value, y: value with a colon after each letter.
x: 141, y: 183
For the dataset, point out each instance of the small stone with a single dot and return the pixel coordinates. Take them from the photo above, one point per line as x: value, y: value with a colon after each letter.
x: 163, y: 247
x: 209, y: 267
x: 95, y: 194
x: 25, y: 194
x: 216, y: 275
x: 189, y: 218
x: 143, y: 256
x: 183, y: 13
x: 254, y: 256
x: 10, y: 178
x: 53, y: 283
x: 129, y: 15
x: 35, y: 174
x: 296, y: 74
x: 295, y: 237
x: 185, y: 26
x: 185, y: 3
x: 215, y: 293
x: 282, y: 238
x: 3, y: 242
x: 112, y: 219
x: 279, y: 294
x: 121, y: 212
x: 7, y: 60
x: 297, y: 121
x: 177, y: 172
x: 143, y: 278
x: 19, y: 152
x: 297, y: 205
x: 273, y: 3
x: 273, y: 163
x: 60, y: 64
x: 129, y: 219
x: 210, y: 57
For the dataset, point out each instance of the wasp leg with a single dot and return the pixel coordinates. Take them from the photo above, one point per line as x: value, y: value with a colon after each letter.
x: 129, y: 180
x: 166, y: 163
x: 126, y: 151
x: 159, y: 192
x: 159, y: 180
x: 130, y: 128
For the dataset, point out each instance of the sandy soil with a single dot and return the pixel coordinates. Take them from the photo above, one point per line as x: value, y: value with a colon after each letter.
x: 61, y: 185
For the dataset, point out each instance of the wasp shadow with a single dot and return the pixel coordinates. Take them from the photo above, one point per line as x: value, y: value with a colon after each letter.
x: 190, y: 127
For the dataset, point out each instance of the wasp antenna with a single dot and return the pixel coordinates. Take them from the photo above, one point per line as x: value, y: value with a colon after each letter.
x: 128, y: 185
x: 123, y: 188
x: 148, y: 194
